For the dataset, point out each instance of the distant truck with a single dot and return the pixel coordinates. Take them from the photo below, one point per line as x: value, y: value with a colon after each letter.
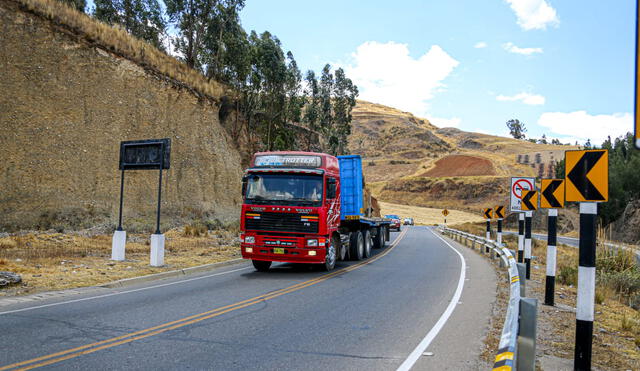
x: 306, y: 207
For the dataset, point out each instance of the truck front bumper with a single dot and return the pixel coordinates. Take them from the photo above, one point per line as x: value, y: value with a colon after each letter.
x: 286, y: 254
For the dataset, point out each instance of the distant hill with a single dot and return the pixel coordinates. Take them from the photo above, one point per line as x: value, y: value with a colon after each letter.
x: 408, y: 160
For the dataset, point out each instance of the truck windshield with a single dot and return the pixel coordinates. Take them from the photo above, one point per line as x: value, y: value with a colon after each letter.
x: 285, y: 189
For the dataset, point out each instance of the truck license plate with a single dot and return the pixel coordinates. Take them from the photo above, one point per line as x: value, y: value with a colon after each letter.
x: 278, y: 250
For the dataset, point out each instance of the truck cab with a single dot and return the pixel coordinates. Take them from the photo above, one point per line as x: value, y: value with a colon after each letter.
x: 291, y: 209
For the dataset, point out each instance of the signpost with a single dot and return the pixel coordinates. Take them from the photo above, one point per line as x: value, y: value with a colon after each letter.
x: 587, y: 182
x: 637, y: 106
x: 488, y: 215
x: 518, y: 184
x: 152, y: 154
x: 529, y: 204
x: 445, y: 212
x: 552, y: 198
x: 498, y: 213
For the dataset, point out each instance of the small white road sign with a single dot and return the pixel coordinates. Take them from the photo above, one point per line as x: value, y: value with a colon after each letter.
x: 518, y: 184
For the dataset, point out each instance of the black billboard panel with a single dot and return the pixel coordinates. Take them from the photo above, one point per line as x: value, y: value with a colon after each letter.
x: 147, y: 154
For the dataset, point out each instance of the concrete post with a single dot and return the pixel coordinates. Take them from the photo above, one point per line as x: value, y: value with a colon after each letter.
x: 118, y: 243
x: 157, y: 250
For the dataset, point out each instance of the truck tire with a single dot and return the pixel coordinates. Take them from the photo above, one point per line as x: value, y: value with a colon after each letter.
x: 356, y: 245
x: 378, y: 241
x: 260, y: 265
x: 341, y: 249
x: 368, y: 242
x: 332, y: 254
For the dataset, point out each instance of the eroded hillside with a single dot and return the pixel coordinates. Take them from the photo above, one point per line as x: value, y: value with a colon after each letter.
x: 408, y: 160
x: 66, y: 104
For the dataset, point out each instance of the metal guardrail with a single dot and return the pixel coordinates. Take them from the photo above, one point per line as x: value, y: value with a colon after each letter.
x: 516, y: 349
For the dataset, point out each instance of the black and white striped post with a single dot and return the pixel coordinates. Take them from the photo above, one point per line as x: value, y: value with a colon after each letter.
x: 527, y: 241
x: 488, y: 234
x: 549, y: 290
x: 499, y: 234
x: 520, y: 237
x: 586, y: 285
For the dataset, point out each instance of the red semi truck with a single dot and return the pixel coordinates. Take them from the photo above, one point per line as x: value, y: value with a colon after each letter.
x: 306, y: 207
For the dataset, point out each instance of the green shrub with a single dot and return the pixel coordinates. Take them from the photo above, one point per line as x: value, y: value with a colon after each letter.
x: 568, y: 275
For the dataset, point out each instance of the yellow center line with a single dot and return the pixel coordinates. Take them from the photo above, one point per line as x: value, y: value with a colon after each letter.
x: 141, y: 334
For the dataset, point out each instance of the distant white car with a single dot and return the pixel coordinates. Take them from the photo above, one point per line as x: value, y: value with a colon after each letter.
x: 408, y: 221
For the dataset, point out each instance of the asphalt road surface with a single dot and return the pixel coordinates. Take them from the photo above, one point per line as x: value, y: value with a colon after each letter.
x: 422, y: 302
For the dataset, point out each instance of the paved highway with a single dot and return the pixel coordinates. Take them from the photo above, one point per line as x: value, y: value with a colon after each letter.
x: 420, y: 294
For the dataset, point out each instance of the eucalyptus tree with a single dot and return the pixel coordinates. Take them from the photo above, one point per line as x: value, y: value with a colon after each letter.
x: 141, y: 18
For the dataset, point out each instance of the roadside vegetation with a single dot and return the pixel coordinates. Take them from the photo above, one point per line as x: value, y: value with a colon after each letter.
x: 616, y: 343
x: 54, y: 261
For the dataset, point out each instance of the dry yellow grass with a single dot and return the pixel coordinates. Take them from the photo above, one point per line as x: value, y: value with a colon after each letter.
x: 428, y: 216
x: 54, y: 261
x: 119, y: 41
x: 616, y: 326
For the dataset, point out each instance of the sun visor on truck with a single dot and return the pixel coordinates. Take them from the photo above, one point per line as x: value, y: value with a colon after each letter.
x: 291, y: 161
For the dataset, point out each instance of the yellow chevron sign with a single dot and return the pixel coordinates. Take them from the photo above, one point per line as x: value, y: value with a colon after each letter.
x: 529, y: 200
x: 587, y: 175
x: 487, y: 213
x: 552, y: 194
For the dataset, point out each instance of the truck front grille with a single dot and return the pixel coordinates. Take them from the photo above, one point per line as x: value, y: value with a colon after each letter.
x: 281, y: 222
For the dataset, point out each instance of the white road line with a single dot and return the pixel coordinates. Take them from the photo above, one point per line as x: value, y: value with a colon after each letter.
x: 417, y: 352
x: 121, y: 292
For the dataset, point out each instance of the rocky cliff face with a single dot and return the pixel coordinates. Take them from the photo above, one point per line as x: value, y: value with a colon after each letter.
x: 66, y: 105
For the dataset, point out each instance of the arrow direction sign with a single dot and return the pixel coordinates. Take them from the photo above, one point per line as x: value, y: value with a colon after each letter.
x: 498, y: 212
x: 552, y: 194
x: 529, y: 200
x: 487, y: 213
x: 587, y: 178
x: 519, y: 184
x: 445, y: 212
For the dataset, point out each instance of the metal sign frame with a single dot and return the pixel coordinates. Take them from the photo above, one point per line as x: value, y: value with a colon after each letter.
x: 514, y: 199
x: 149, y: 154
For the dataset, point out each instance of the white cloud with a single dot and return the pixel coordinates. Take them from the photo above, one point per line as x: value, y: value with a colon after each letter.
x: 534, y: 14
x: 440, y: 122
x: 526, y: 98
x: 387, y: 74
x: 480, y: 45
x: 511, y: 48
x: 580, y: 125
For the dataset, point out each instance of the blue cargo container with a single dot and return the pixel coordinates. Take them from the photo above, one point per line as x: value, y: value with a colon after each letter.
x: 351, y: 189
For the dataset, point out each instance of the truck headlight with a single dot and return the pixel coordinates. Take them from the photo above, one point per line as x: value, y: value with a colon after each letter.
x: 312, y: 243
x: 249, y: 239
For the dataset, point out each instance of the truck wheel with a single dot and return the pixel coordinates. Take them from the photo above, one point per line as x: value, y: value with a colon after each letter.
x: 378, y: 241
x: 331, y: 256
x: 366, y: 251
x: 356, y: 243
x: 261, y: 266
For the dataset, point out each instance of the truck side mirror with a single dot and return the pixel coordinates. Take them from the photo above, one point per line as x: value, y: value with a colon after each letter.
x: 331, y: 188
x: 244, y: 185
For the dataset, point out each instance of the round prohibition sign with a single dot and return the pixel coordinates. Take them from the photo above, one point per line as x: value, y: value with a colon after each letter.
x: 519, y: 185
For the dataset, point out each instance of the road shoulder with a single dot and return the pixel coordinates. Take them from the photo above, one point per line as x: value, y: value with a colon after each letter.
x: 469, y: 323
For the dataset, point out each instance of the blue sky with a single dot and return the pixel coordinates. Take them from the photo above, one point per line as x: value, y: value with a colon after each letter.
x: 565, y: 68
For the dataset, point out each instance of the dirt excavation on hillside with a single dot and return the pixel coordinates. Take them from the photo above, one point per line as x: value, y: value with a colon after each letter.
x: 461, y: 165
x: 49, y: 260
